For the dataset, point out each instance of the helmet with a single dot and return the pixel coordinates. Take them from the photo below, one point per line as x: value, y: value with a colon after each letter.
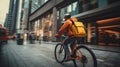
x: 67, y: 16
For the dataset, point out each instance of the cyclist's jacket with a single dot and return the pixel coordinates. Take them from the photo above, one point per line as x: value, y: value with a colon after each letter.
x: 65, y: 27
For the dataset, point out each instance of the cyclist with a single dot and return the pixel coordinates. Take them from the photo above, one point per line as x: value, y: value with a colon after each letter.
x: 70, y: 39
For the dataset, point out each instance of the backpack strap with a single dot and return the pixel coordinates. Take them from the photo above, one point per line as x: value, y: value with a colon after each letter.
x: 72, y: 21
x: 74, y: 24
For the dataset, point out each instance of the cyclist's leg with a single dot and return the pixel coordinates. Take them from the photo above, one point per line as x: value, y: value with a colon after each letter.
x: 73, y: 45
x: 66, y: 42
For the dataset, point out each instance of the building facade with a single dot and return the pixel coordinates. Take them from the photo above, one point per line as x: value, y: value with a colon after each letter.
x: 12, y: 16
x: 8, y: 21
x: 101, y: 19
x: 17, y: 16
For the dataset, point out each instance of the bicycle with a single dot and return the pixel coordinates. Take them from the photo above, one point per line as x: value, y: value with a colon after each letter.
x: 60, y: 55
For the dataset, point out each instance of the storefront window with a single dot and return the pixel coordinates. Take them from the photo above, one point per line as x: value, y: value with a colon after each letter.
x: 47, y: 22
x: 43, y: 27
x: 104, y: 32
x: 32, y: 24
x: 109, y: 31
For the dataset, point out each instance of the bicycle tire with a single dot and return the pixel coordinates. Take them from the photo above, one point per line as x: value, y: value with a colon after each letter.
x: 92, y: 54
x: 55, y: 53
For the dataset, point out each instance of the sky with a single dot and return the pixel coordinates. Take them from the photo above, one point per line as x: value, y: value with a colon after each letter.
x: 4, y: 6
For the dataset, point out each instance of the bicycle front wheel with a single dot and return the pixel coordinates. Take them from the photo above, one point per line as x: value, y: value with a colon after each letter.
x: 59, y: 53
x: 88, y: 58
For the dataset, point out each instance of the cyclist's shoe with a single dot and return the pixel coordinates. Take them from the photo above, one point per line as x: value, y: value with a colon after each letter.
x: 84, y: 59
x: 78, y: 58
x: 73, y: 54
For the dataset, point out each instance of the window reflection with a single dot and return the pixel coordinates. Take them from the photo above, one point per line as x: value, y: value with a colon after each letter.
x: 36, y: 4
x: 71, y: 9
x: 108, y: 32
x: 43, y: 27
x: 112, y: 1
x: 85, y: 5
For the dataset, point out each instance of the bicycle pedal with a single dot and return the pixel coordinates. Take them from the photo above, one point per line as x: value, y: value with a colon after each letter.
x: 84, y: 59
x: 78, y: 58
x: 68, y: 59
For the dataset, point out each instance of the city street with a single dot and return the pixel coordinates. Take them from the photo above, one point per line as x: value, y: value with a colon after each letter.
x: 42, y: 55
x: 31, y: 29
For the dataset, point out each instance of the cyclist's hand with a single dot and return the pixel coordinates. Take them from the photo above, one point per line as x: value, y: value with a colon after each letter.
x: 57, y: 36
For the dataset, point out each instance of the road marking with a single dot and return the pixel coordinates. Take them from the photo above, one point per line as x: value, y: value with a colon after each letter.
x: 106, y: 63
x: 47, y: 57
x: 100, y: 60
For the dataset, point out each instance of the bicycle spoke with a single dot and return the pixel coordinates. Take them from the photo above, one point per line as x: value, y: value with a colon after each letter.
x: 83, y: 64
x: 87, y: 59
x: 59, y: 53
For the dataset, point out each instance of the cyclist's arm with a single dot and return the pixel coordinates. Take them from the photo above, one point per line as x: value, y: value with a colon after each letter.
x: 63, y: 28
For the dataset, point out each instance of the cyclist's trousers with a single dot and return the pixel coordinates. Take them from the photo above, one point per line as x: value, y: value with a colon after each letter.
x: 71, y: 41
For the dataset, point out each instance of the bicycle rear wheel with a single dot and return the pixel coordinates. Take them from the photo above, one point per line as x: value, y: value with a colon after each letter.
x: 88, y: 58
x: 59, y: 53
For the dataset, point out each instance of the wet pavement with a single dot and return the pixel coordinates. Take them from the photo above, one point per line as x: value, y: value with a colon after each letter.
x: 42, y: 55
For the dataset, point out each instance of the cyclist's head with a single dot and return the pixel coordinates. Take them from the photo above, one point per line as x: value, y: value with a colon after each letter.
x: 67, y: 16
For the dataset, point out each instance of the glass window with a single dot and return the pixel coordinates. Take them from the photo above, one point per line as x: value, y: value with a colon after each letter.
x: 94, y: 4
x: 44, y: 27
x: 85, y: 5
x: 109, y: 31
x: 71, y: 9
x: 102, y: 3
x: 36, y: 4
x: 112, y: 1
x: 46, y: 0
x: 74, y: 6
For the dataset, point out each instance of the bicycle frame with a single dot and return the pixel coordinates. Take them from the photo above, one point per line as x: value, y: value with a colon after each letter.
x: 72, y: 52
x: 76, y: 54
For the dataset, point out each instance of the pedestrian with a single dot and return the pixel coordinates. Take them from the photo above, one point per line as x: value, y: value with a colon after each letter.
x: 93, y: 39
x: 32, y: 38
x: 106, y: 38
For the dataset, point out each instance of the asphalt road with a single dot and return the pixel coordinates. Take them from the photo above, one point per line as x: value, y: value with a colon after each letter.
x: 42, y: 55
